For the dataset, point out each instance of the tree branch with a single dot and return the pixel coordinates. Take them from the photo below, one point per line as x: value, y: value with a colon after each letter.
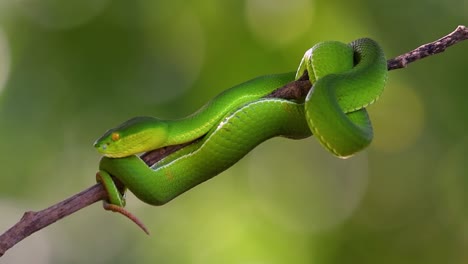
x: 34, y: 221
x: 438, y: 46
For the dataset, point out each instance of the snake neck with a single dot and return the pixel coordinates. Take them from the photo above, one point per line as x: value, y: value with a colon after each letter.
x: 186, y: 130
x: 198, y: 124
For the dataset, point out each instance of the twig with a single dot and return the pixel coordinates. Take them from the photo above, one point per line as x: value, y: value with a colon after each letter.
x: 438, y: 46
x: 34, y: 221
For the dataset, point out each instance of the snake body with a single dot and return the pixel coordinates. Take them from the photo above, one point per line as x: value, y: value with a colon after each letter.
x: 346, y: 78
x: 141, y: 134
x: 174, y: 175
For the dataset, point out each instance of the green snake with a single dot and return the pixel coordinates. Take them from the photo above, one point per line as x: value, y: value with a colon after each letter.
x: 346, y: 78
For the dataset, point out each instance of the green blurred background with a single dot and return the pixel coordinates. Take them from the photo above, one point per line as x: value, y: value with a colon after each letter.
x: 69, y: 70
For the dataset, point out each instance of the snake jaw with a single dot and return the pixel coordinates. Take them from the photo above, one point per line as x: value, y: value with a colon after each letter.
x: 136, y: 135
x: 100, y: 147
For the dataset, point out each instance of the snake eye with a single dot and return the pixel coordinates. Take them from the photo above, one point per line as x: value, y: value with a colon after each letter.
x: 115, y: 136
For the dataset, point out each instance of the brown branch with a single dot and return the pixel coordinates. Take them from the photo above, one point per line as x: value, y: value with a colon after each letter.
x: 429, y: 49
x: 34, y: 221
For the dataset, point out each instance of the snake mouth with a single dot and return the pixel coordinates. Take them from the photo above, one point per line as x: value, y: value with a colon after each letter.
x: 103, y: 149
x: 100, y: 147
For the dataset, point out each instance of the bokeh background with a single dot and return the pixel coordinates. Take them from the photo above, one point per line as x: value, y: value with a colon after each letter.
x: 69, y: 70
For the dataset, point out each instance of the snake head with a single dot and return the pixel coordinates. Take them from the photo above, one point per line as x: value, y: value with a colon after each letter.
x: 139, y: 134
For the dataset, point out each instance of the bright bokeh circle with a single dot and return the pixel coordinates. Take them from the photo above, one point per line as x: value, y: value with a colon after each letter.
x: 278, y: 22
x: 397, y: 117
x: 4, y: 60
x: 61, y: 15
x: 303, y: 187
